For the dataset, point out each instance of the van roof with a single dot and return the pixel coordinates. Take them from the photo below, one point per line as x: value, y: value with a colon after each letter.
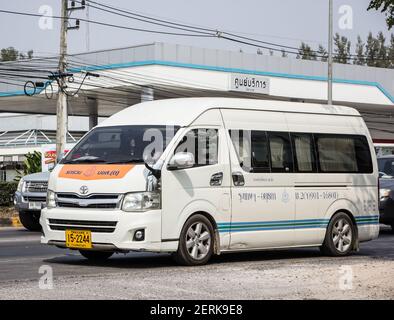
x: 183, y: 111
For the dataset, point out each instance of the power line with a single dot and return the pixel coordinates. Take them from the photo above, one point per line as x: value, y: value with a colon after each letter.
x: 132, y: 16
x: 153, y: 19
x: 220, y: 34
x: 104, y: 24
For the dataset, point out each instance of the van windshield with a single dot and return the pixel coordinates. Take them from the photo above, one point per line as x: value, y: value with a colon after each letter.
x: 122, y: 144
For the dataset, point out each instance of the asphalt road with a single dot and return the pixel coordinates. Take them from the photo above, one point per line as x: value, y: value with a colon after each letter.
x: 293, y: 273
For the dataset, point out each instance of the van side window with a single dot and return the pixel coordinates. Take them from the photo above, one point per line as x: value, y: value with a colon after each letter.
x: 203, y: 144
x: 343, y: 153
x: 304, y: 152
x: 363, y: 154
x: 260, y: 152
x: 252, y: 150
x: 280, y: 150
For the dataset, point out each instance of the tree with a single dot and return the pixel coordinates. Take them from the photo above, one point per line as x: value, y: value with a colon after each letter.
x: 387, y: 7
x: 9, y: 54
x: 305, y: 52
x: 371, y: 50
x: 322, y: 53
x: 382, y: 58
x: 28, y: 55
x: 360, y: 58
x: 390, y: 54
x: 32, y: 164
x: 342, y: 49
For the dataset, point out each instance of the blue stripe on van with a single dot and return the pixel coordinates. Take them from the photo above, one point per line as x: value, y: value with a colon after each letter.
x: 288, y: 224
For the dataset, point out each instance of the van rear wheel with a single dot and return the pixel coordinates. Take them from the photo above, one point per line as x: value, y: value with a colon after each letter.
x: 340, y: 236
x: 96, y: 255
x: 196, y: 242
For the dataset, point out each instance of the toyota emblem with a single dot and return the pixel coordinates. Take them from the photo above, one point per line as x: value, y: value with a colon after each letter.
x: 83, y: 190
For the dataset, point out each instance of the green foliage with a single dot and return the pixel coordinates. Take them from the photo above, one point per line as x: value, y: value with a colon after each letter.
x: 11, y: 54
x: 7, y: 190
x: 375, y: 52
x: 32, y: 164
x: 385, y: 6
x: 390, y: 52
x: 305, y: 52
x: 342, y: 49
x: 360, y: 57
x: 322, y: 53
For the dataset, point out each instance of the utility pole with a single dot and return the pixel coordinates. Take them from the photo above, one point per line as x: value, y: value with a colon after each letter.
x: 61, y: 107
x: 330, y: 36
x: 87, y: 29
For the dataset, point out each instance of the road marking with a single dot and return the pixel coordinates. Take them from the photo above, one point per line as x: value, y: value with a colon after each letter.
x: 11, y: 228
x: 19, y: 239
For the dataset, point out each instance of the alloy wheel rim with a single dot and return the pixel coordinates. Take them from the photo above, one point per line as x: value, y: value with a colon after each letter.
x: 198, y: 240
x: 342, y: 235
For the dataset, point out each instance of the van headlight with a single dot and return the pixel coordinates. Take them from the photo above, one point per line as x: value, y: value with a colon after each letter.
x: 384, y: 193
x: 141, y: 201
x: 21, y: 185
x: 51, y: 199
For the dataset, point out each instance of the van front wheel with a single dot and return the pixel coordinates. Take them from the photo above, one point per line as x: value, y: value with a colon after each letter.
x: 340, y: 236
x: 196, y: 242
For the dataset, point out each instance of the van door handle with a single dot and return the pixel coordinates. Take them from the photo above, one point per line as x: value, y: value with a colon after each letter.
x: 216, y: 179
x: 238, y: 179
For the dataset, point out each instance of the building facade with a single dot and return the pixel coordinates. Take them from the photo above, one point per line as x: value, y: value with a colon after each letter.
x: 161, y: 70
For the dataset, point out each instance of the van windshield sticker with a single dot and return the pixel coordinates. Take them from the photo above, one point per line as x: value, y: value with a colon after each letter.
x: 94, y: 172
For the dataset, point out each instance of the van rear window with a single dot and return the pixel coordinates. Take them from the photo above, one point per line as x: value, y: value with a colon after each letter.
x: 262, y: 151
x: 343, y: 153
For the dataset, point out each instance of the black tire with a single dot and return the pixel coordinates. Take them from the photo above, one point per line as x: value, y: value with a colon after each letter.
x: 329, y: 246
x: 96, y: 255
x: 183, y: 256
x: 30, y: 220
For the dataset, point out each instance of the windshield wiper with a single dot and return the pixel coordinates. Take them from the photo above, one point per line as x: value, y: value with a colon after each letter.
x: 85, y: 159
x: 131, y: 160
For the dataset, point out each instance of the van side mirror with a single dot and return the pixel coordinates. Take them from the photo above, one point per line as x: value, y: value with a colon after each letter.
x: 181, y: 160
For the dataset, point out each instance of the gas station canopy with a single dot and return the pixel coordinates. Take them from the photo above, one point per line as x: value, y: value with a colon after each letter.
x: 158, y: 71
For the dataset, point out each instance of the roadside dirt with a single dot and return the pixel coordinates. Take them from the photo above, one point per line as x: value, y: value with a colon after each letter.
x: 7, y: 212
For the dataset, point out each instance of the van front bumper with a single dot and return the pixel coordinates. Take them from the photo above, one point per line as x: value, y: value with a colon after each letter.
x: 119, y: 238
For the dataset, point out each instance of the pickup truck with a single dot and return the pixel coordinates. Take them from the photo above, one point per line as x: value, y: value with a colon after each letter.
x: 30, y: 198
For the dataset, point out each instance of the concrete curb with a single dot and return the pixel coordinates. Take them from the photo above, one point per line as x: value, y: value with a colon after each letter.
x: 10, y: 222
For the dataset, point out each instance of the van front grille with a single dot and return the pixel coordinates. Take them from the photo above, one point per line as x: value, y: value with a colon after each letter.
x: 93, y: 205
x: 93, y: 201
x: 92, y: 196
x: 93, y: 226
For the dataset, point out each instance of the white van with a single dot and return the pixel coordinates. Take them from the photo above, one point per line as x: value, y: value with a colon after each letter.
x: 257, y: 175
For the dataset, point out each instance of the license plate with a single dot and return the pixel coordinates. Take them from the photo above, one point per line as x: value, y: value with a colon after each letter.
x: 35, y: 205
x: 79, y: 239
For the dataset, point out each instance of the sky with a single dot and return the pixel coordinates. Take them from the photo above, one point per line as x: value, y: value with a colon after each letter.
x: 286, y: 22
